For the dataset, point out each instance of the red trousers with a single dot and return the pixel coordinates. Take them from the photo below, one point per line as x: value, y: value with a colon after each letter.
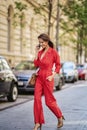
x: 43, y: 86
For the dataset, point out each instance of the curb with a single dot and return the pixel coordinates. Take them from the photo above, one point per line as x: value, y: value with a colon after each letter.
x: 14, y: 104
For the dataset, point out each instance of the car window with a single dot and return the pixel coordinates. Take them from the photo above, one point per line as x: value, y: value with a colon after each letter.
x: 85, y: 66
x: 80, y: 66
x: 68, y: 66
x: 25, y: 65
x: 1, y: 67
x: 5, y: 65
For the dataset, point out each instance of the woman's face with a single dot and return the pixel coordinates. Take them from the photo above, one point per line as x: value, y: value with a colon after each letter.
x: 44, y: 44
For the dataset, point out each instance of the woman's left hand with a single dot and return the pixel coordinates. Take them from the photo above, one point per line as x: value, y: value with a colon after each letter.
x: 50, y: 78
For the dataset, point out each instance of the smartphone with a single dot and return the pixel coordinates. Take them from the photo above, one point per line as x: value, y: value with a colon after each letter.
x: 38, y: 45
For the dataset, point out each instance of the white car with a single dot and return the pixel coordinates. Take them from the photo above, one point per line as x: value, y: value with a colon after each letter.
x: 70, y: 71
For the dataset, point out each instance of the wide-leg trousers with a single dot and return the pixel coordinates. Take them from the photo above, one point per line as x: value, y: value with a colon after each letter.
x: 45, y: 87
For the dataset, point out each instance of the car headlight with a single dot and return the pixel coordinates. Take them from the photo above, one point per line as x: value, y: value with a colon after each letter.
x: 70, y: 73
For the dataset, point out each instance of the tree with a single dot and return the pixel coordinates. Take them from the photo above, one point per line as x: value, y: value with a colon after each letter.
x: 47, y: 6
x: 52, y: 8
x: 49, y: 15
x: 76, y: 12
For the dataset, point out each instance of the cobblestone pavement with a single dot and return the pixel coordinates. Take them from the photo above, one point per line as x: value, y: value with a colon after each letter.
x: 72, y: 101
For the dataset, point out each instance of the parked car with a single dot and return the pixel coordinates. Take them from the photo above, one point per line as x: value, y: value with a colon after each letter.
x: 82, y: 71
x: 70, y: 71
x: 23, y: 72
x: 59, y: 80
x: 8, y: 81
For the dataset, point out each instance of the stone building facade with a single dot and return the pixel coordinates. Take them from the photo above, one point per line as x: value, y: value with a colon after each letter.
x: 18, y: 42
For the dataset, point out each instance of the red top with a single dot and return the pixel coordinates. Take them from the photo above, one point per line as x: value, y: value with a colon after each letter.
x: 46, y: 63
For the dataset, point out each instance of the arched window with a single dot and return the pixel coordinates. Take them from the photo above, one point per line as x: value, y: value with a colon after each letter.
x: 22, y: 33
x: 10, y: 27
x: 31, y: 34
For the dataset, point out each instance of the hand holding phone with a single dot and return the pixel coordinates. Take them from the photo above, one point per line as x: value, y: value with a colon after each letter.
x: 38, y: 47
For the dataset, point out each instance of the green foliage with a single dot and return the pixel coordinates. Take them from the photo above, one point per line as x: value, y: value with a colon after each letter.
x: 37, y: 10
x: 20, y: 7
x: 76, y: 12
x: 40, y: 7
x: 47, y: 5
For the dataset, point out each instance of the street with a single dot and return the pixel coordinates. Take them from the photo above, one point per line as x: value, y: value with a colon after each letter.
x: 72, y: 99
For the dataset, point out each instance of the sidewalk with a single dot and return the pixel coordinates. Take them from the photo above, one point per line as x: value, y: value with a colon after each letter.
x: 4, y: 104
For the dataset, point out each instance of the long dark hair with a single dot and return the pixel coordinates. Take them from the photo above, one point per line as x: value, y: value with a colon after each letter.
x: 45, y: 37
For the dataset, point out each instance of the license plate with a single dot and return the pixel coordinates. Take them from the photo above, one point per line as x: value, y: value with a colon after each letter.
x: 20, y: 83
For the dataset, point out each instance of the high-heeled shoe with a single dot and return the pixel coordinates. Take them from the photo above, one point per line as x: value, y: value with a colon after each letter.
x: 37, y: 126
x: 60, y: 121
x: 63, y: 117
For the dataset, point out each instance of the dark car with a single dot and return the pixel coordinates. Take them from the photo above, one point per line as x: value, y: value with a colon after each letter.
x: 82, y: 71
x: 23, y: 72
x: 8, y: 81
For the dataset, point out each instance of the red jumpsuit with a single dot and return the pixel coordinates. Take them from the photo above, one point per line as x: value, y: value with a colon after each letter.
x: 43, y: 86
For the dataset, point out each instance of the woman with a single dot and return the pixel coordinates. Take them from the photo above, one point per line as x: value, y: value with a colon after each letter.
x: 45, y: 58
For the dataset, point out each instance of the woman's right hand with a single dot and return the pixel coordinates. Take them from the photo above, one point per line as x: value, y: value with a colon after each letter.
x: 37, y: 49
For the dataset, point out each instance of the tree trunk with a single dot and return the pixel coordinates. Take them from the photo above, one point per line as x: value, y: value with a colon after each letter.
x: 57, y: 27
x: 49, y: 15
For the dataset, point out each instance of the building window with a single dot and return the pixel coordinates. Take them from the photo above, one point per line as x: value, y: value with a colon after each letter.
x: 31, y: 34
x: 22, y: 34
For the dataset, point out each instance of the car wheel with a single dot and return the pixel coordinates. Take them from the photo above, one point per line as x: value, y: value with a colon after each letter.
x: 59, y: 87
x: 13, y: 93
x: 73, y: 80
